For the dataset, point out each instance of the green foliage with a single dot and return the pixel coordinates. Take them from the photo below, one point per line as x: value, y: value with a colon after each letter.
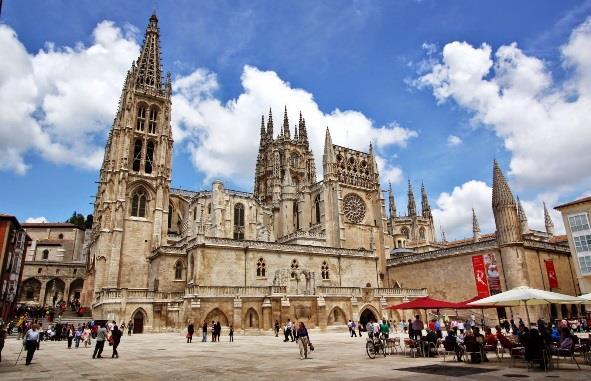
x: 79, y: 220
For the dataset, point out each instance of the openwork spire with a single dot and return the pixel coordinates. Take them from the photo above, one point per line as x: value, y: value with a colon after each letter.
x: 270, y: 125
x: 263, y: 132
x: 149, y: 74
x: 412, y: 208
x: 548, y: 221
x: 302, y: 127
x: 501, y: 193
x: 286, y: 133
x: 425, y: 207
x: 391, y: 202
x: 521, y: 211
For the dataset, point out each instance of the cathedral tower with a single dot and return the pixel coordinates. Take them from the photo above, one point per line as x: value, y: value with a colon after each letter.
x: 131, y: 206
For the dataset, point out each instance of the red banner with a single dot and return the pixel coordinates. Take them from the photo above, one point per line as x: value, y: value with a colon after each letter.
x: 552, y: 278
x: 480, y: 276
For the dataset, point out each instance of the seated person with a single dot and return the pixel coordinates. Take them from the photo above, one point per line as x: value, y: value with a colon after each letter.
x: 480, y: 340
x: 566, y: 343
x: 490, y: 338
x: 450, y: 343
x: 554, y: 334
x: 535, y: 344
x: 430, y: 337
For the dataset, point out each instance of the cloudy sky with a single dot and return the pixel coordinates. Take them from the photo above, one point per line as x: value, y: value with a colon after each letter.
x: 441, y: 88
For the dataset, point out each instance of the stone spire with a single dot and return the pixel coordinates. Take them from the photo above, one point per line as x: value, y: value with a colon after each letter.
x: 443, y: 238
x: 475, y: 226
x: 296, y: 135
x: 522, y: 217
x: 412, y: 209
x: 504, y: 209
x: 391, y: 202
x: 328, y: 159
x: 425, y: 207
x: 548, y: 221
x: 149, y: 70
x: 263, y: 133
x: 302, y: 127
x: 270, y: 125
x: 285, y: 132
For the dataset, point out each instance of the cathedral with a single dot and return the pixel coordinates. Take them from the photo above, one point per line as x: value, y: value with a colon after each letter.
x: 319, y: 251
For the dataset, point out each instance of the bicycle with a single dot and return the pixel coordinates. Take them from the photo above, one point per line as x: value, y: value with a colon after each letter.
x: 374, y: 346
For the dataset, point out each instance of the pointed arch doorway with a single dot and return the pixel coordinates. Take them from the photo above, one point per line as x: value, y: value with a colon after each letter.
x: 366, y: 315
x: 138, y: 321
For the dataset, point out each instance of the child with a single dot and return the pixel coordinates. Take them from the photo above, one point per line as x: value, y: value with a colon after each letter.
x: 231, y: 333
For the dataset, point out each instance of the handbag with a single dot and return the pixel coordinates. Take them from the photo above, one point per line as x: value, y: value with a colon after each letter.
x: 311, y: 345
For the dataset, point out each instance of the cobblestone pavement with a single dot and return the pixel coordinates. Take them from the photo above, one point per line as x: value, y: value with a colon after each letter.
x: 166, y: 356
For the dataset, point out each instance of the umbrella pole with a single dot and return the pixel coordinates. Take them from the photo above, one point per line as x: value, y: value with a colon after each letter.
x: 527, y: 313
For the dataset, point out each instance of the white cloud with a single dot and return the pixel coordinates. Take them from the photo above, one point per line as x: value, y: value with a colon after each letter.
x: 453, y: 140
x: 544, y: 125
x: 534, y: 210
x: 40, y: 219
x: 61, y: 100
x: 223, y: 137
x: 454, y: 210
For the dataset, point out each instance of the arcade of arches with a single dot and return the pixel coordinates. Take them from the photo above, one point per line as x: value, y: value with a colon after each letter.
x: 49, y: 291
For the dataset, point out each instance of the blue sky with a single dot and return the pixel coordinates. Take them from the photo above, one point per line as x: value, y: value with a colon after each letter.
x: 371, y: 59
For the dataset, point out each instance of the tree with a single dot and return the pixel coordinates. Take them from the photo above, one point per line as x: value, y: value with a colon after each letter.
x: 77, y: 219
x: 88, y: 222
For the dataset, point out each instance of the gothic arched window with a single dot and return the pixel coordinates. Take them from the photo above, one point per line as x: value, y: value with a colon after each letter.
x: 296, y: 216
x: 141, y: 118
x: 422, y: 233
x: 178, y: 270
x: 138, y: 203
x: 317, y: 208
x: 170, y: 214
x: 149, y: 157
x: 324, y: 270
x: 137, y: 155
x: 405, y: 233
x: 152, y: 123
x: 239, y: 221
x: 45, y: 254
x: 261, y: 268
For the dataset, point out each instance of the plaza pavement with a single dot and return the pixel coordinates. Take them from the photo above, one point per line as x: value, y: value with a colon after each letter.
x: 166, y: 356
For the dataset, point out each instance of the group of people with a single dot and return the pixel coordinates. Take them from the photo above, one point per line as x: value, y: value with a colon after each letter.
x: 110, y: 333
x: 215, y: 329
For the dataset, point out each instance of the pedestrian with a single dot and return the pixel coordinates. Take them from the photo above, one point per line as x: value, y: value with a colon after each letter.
x: 190, y: 331
x: 70, y: 335
x: 129, y: 328
x: 231, y: 334
x: 359, y: 327
x: 286, y: 330
x: 101, y: 336
x: 303, y: 340
x: 116, y: 334
x: 350, y: 325
x: 276, y: 328
x: 204, y: 331
x: 86, y: 337
x: 218, y: 331
x: 78, y: 335
x: 2, y: 338
x: 30, y: 342
x: 353, y: 328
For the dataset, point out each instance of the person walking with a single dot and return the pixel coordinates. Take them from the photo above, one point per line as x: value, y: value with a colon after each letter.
x: 101, y: 335
x: 86, y: 337
x: 231, y: 334
x: 359, y: 327
x: 116, y: 334
x: 204, y: 331
x: 70, y: 335
x: 30, y: 342
x: 129, y: 328
x: 78, y: 335
x: 190, y: 331
x: 353, y: 329
x: 303, y: 340
x: 276, y: 327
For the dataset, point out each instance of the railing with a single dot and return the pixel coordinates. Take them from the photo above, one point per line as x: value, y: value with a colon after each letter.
x: 301, y: 234
x: 217, y: 291
x: 338, y: 291
x: 377, y: 292
x: 386, y: 292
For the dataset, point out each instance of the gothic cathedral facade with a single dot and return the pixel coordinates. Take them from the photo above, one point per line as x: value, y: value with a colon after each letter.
x: 295, y: 248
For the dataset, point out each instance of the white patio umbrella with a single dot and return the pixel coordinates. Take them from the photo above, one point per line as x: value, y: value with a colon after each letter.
x: 527, y: 296
x: 587, y: 297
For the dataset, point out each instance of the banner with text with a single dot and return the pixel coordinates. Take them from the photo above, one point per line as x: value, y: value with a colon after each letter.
x: 552, y: 278
x: 480, y: 276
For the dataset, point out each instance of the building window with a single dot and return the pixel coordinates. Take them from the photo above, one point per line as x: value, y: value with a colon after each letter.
x: 582, y: 243
x: 45, y: 254
x: 141, y: 118
x: 317, y: 208
x: 324, y: 270
x: 261, y: 268
x: 296, y: 216
x: 60, y: 236
x: 137, y: 155
x: 153, y: 123
x: 578, y: 222
x: 39, y: 270
x: 149, y: 157
x: 75, y: 271
x: 138, y: 203
x: 57, y: 271
x: 405, y: 233
x: 239, y: 221
x: 422, y: 233
x: 178, y: 270
x: 170, y: 214
x: 585, y: 263
x: 295, y: 160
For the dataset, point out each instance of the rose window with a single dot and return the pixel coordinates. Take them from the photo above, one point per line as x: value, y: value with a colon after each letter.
x: 354, y: 208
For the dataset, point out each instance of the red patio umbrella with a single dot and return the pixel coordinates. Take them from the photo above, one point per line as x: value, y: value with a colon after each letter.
x: 423, y: 303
